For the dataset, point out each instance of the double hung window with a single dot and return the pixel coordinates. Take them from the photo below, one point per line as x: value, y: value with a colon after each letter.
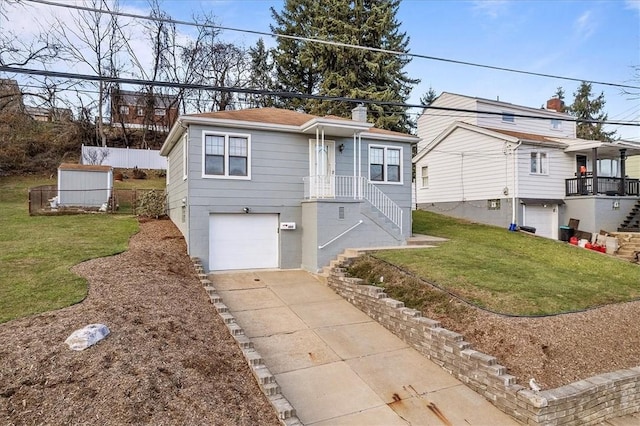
x: 226, y: 156
x: 385, y: 164
x: 539, y: 163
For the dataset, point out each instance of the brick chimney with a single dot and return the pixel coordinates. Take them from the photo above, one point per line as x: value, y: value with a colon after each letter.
x: 555, y: 104
x: 359, y: 113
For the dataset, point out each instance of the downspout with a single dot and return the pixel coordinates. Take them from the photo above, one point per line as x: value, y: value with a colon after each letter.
x: 514, y: 215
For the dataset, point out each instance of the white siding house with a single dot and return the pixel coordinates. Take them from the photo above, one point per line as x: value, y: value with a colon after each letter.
x: 503, y: 164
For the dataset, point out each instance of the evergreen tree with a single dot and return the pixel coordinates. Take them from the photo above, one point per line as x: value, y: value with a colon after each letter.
x: 589, y: 114
x: 337, y: 71
x: 428, y: 97
x: 260, y: 75
x: 295, y: 60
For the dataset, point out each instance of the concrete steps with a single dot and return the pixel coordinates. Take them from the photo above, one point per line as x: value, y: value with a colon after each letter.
x: 629, y: 245
x: 415, y: 241
x: 267, y: 382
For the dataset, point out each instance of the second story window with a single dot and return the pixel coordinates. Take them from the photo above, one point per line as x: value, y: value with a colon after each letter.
x: 539, y: 163
x: 507, y: 117
x: 159, y: 112
x: 124, y: 110
x: 556, y: 124
x: 140, y: 112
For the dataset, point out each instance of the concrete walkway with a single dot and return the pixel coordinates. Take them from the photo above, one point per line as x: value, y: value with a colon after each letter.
x: 337, y: 366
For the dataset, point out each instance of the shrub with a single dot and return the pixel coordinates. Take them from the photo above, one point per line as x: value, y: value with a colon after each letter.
x: 139, y: 174
x: 152, y: 204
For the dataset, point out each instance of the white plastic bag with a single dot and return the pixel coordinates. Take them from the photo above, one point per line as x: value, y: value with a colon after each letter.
x: 87, y: 336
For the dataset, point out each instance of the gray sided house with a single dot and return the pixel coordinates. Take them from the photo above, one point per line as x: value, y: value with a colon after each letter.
x: 272, y: 188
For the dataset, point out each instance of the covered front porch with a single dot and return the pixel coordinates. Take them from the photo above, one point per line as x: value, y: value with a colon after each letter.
x: 601, y: 169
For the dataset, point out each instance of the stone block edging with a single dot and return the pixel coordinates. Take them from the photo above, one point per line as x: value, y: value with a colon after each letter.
x: 267, y: 382
x: 586, y: 402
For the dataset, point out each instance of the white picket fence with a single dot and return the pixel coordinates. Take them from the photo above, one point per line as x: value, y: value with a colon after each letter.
x: 125, y: 158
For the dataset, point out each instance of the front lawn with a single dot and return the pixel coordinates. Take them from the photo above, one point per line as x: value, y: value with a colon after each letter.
x: 515, y: 273
x: 36, y: 252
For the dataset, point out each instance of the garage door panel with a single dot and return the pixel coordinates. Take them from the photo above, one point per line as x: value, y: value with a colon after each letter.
x: 544, y: 219
x: 241, y: 241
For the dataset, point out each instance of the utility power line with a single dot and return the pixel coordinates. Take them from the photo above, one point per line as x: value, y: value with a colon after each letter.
x: 333, y: 43
x: 191, y: 86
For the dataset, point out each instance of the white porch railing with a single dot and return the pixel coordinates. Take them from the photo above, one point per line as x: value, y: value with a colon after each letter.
x: 356, y: 188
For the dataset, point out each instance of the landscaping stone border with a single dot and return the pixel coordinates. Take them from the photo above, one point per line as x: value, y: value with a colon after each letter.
x: 267, y: 382
x: 586, y: 402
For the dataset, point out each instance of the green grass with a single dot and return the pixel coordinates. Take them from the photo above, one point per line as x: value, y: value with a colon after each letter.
x: 515, y: 273
x: 37, y: 252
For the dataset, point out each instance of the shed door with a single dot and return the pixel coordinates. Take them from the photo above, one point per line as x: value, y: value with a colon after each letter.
x: 243, y: 241
x: 544, y: 219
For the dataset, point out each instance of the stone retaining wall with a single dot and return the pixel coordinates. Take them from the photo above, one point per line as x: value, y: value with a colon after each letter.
x: 586, y: 402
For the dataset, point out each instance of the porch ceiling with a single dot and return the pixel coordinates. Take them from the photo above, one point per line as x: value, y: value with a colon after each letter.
x: 605, y: 149
x: 335, y: 127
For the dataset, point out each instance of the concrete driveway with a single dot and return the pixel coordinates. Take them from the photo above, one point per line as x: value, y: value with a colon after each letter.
x: 337, y: 366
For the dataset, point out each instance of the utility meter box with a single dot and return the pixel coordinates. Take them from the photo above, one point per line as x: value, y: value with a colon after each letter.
x: 287, y: 225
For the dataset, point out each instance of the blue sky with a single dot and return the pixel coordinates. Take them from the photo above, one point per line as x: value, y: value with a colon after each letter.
x: 591, y: 39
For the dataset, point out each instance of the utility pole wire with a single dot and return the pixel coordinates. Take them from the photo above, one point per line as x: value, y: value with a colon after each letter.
x: 139, y: 82
x: 338, y: 44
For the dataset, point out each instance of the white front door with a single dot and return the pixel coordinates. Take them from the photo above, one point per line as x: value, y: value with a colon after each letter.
x: 243, y: 241
x: 322, y: 168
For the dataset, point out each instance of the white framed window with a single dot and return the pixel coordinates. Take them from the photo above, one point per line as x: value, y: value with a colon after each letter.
x: 185, y: 156
x: 160, y: 112
x: 539, y: 163
x: 508, y: 117
x: 226, y: 155
x: 124, y: 110
x: 385, y: 164
x: 140, y: 112
x: 556, y: 124
x: 424, y: 174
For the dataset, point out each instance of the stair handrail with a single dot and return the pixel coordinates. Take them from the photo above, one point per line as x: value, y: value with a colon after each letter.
x: 382, y: 203
x: 341, y: 234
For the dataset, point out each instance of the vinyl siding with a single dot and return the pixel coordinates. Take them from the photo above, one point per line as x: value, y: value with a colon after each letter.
x: 279, y: 161
x: 177, y: 189
x: 433, y: 122
x: 550, y: 185
x: 466, y: 166
x: 522, y: 124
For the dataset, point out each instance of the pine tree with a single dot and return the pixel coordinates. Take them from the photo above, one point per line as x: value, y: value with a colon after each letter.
x: 428, y: 97
x: 589, y: 114
x: 295, y: 59
x: 260, y: 75
x: 337, y: 71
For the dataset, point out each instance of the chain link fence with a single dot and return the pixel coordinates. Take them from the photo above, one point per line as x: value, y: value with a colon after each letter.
x: 46, y: 200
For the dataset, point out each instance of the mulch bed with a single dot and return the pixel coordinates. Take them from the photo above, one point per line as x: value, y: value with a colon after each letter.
x: 168, y: 360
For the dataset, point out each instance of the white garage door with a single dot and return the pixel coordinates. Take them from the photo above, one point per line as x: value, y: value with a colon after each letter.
x: 544, y: 219
x: 243, y: 241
